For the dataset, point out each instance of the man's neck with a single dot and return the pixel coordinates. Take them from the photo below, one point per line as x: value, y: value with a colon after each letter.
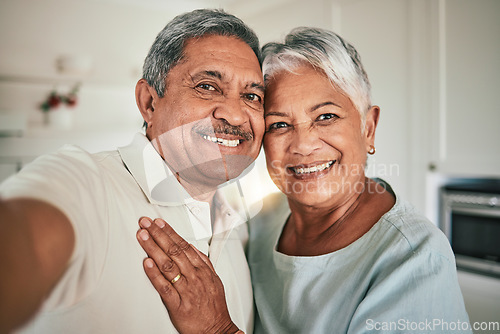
x: 199, y: 193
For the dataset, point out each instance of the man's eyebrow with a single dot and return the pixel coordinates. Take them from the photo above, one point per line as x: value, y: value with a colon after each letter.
x: 257, y: 86
x: 213, y: 74
x: 219, y: 75
x: 328, y: 103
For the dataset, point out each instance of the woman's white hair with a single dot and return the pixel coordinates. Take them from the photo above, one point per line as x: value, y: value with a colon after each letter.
x: 326, y: 51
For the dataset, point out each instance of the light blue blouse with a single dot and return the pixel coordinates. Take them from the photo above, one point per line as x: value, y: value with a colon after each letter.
x: 399, y: 277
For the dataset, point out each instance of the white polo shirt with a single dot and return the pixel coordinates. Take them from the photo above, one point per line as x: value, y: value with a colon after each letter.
x: 105, y: 289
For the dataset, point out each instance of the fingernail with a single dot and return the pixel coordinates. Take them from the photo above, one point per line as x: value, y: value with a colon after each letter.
x: 149, y: 263
x: 144, y: 222
x: 144, y: 235
x: 160, y: 223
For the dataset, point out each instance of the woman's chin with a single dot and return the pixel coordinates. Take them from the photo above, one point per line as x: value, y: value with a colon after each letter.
x: 309, y: 197
x: 316, y: 202
x: 319, y: 192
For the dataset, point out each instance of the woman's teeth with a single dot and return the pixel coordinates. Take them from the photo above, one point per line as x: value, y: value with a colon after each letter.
x: 317, y: 168
x: 223, y: 142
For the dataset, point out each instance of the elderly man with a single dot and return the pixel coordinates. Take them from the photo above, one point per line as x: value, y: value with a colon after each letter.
x: 69, y: 256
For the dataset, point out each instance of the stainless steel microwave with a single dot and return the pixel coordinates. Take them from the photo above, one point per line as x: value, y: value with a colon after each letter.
x: 470, y: 218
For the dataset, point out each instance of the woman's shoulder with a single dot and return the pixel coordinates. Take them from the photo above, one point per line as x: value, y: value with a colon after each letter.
x: 409, y: 227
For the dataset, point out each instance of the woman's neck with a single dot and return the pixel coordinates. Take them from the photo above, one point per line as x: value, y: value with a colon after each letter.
x: 314, y: 231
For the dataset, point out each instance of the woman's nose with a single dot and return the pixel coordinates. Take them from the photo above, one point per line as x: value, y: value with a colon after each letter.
x: 305, y: 139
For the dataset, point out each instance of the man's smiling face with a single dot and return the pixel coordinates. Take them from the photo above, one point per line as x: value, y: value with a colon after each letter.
x: 208, y: 127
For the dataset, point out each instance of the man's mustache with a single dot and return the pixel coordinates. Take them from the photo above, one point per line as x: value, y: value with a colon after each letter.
x: 227, y: 129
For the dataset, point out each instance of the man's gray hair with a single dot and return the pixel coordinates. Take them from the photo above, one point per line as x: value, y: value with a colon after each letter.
x: 168, y: 47
x: 326, y: 51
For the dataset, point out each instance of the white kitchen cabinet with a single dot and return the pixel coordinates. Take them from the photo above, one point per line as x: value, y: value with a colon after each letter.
x: 469, y: 68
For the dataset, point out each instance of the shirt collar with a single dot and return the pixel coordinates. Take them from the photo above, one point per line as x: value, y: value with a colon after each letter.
x: 161, y: 187
x: 152, y: 174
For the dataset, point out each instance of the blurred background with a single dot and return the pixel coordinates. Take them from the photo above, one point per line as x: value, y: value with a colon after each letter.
x: 68, y: 69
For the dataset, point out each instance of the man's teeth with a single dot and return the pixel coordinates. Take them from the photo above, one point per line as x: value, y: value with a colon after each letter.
x: 223, y: 142
x: 317, y: 168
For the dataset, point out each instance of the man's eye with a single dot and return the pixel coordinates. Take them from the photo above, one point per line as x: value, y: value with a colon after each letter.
x: 324, y: 117
x: 205, y: 86
x: 253, y: 97
x: 277, y: 125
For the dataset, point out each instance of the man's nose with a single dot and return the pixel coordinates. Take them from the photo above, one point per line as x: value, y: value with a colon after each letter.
x: 233, y: 110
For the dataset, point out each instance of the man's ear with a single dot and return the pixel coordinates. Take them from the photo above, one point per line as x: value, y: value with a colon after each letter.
x: 371, y: 121
x: 145, y: 95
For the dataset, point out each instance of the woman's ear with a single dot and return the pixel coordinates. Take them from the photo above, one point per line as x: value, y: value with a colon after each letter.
x: 145, y: 95
x: 371, y: 122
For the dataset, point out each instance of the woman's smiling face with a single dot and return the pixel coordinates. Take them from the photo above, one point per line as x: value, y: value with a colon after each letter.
x: 315, y: 144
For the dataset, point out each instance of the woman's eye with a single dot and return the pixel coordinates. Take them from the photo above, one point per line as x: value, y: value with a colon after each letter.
x: 324, y: 117
x: 277, y: 125
x: 205, y: 86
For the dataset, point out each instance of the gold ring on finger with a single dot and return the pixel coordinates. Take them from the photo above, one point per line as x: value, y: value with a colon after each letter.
x: 176, y: 278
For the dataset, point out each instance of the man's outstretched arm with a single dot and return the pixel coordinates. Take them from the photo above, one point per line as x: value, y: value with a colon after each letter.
x: 36, y: 243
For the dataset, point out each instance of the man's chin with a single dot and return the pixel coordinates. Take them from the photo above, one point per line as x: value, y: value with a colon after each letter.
x: 235, y: 165
x: 208, y: 175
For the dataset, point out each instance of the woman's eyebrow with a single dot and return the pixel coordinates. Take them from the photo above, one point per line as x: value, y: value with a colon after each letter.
x: 275, y: 113
x: 328, y: 103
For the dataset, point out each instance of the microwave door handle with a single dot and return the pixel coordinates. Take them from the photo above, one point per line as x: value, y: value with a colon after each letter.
x: 476, y: 211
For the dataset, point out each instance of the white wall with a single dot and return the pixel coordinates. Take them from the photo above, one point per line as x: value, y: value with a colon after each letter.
x: 273, y: 23
x: 116, y: 36
x: 379, y: 31
x: 33, y: 34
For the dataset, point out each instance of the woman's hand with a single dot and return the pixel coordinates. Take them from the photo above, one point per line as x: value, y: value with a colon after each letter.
x: 185, y: 279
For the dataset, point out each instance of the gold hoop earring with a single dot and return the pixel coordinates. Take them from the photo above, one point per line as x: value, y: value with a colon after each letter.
x: 372, y: 150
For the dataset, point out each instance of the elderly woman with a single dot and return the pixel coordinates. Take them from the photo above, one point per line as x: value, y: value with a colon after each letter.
x: 343, y: 254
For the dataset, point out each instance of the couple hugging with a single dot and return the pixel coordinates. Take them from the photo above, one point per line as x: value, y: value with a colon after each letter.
x: 143, y: 239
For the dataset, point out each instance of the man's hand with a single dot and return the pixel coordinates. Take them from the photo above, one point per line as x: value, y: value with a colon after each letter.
x: 185, y: 279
